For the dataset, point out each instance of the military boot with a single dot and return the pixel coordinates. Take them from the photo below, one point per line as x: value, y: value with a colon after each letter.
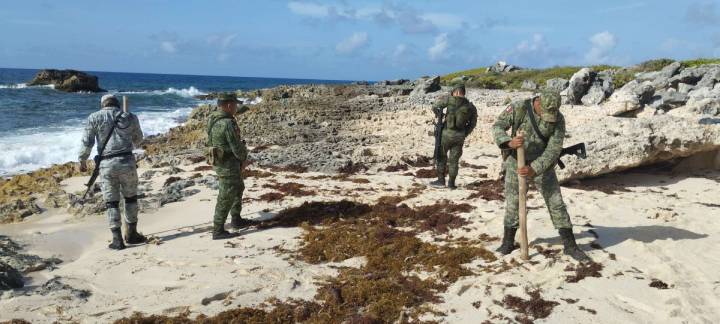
x: 221, y: 234
x: 132, y: 236
x: 451, y: 183
x: 508, y: 242
x: 117, y: 242
x: 237, y: 222
x: 440, y: 182
x: 571, y: 247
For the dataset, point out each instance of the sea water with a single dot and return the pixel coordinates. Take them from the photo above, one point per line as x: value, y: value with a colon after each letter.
x: 41, y: 126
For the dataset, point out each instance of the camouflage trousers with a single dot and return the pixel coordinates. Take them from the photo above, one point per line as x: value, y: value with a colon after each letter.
x: 119, y: 180
x: 452, y: 150
x: 229, y: 200
x: 549, y: 187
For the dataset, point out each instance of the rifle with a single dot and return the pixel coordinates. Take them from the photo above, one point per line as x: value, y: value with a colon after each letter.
x: 98, y: 158
x: 438, y: 134
x: 577, y: 150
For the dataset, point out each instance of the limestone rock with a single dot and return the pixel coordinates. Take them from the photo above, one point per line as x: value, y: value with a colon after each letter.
x: 10, y: 278
x: 668, y: 99
x: 630, y: 97
x: 67, y: 80
x: 579, y: 84
x: 426, y: 85
x: 529, y: 85
x: 502, y: 66
x: 601, y: 88
x: 557, y: 84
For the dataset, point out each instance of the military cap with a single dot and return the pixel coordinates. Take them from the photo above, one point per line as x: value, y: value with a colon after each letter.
x: 109, y: 100
x: 227, y: 97
x: 550, y: 105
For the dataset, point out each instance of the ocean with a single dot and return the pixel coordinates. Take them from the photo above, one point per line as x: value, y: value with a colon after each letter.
x: 41, y: 126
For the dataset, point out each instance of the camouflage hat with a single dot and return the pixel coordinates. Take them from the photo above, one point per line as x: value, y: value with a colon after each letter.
x: 227, y: 97
x: 109, y: 100
x: 550, y: 105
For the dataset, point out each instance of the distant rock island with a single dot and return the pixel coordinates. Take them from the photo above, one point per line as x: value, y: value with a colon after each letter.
x: 67, y: 80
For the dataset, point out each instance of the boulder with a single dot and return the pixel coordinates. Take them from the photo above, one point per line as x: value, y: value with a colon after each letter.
x: 601, y: 88
x: 10, y: 278
x: 529, y: 85
x: 426, y: 85
x: 630, y: 97
x: 617, y: 144
x: 501, y: 67
x: 557, y: 84
x: 685, y: 88
x: 703, y: 101
x: 711, y: 77
x: 668, y: 99
x: 689, y: 76
x: 578, y: 86
x: 670, y: 70
x: 67, y: 80
x: 394, y: 82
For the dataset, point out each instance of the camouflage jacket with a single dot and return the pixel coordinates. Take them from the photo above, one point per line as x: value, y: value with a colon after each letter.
x: 461, y: 114
x: 126, y: 136
x: 223, y: 133
x: 543, y: 156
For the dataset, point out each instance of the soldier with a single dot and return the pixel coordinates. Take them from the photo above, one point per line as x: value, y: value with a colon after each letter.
x: 460, y: 121
x: 227, y: 155
x: 118, y: 169
x: 542, y: 154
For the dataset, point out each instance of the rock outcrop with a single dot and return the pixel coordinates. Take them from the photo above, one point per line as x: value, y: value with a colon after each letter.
x: 578, y: 86
x: 557, y: 84
x: 426, y: 85
x: 67, y: 80
x: 502, y: 66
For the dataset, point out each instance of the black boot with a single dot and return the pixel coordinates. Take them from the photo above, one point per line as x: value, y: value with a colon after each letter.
x: 133, y: 237
x: 117, y: 242
x: 571, y: 248
x: 219, y: 233
x: 238, y: 222
x: 440, y: 182
x: 508, y: 242
x: 451, y: 183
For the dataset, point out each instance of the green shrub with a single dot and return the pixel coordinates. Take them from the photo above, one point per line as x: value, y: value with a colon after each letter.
x: 700, y: 61
x: 622, y: 78
x: 654, y: 65
x: 486, y: 82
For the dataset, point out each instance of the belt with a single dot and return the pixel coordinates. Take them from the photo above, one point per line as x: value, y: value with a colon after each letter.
x: 105, y: 157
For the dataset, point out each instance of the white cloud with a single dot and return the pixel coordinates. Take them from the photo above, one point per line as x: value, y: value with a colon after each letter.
x: 443, y: 20
x: 168, y: 47
x: 309, y: 9
x: 439, y: 48
x: 352, y: 43
x: 602, y: 44
x: 536, y: 52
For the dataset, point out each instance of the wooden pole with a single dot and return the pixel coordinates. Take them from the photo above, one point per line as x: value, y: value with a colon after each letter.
x: 125, y: 104
x: 522, y: 199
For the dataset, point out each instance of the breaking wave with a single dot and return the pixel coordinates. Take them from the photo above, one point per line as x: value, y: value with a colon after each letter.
x: 187, y: 92
x: 24, y: 86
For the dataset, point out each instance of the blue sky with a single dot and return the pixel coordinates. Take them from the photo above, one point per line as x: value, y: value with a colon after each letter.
x: 355, y: 40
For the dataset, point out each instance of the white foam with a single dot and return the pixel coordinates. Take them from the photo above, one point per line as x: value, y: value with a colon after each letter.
x: 255, y: 101
x: 26, y: 152
x: 24, y: 86
x: 187, y: 92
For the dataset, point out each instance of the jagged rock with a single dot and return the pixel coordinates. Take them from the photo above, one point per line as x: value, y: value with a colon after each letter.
x: 557, y: 84
x: 174, y: 191
x: 578, y: 86
x: 689, y: 76
x: 16, y: 210
x: 668, y: 99
x: 394, y: 82
x: 67, y: 80
x: 702, y: 101
x: 601, y: 88
x: 10, y: 278
x: 670, y: 70
x: 502, y: 66
x: 711, y: 77
x: 426, y: 85
x: 630, y: 97
x: 685, y: 88
x: 529, y: 85
x: 617, y: 144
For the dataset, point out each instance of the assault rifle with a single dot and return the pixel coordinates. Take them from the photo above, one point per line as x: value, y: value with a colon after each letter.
x: 577, y: 150
x: 438, y: 134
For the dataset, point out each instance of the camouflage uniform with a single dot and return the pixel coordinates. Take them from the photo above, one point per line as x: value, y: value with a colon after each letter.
x: 460, y: 121
x: 540, y: 157
x: 118, y: 174
x: 223, y: 133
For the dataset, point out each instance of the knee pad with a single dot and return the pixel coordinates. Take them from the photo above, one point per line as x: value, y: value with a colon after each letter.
x: 131, y: 200
x: 112, y: 204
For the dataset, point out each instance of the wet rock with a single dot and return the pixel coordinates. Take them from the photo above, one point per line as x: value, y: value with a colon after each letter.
x: 10, y: 278
x: 67, y: 80
x: 14, y: 263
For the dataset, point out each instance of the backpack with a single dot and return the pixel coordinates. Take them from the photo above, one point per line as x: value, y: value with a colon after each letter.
x: 458, y: 115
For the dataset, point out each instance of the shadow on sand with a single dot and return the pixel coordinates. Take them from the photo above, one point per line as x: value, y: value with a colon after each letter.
x: 611, y: 236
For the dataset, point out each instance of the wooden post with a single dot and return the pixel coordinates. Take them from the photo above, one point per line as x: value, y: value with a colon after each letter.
x: 522, y: 199
x: 125, y: 104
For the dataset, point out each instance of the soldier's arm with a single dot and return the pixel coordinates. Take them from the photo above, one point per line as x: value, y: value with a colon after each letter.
x: 502, y: 124
x: 88, y: 140
x: 439, y: 105
x: 233, y: 139
x: 472, y: 123
x: 137, y: 134
x: 552, y: 151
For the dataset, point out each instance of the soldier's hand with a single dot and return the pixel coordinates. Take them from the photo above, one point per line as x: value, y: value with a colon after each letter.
x: 517, y: 142
x: 526, y: 171
x: 83, y: 166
